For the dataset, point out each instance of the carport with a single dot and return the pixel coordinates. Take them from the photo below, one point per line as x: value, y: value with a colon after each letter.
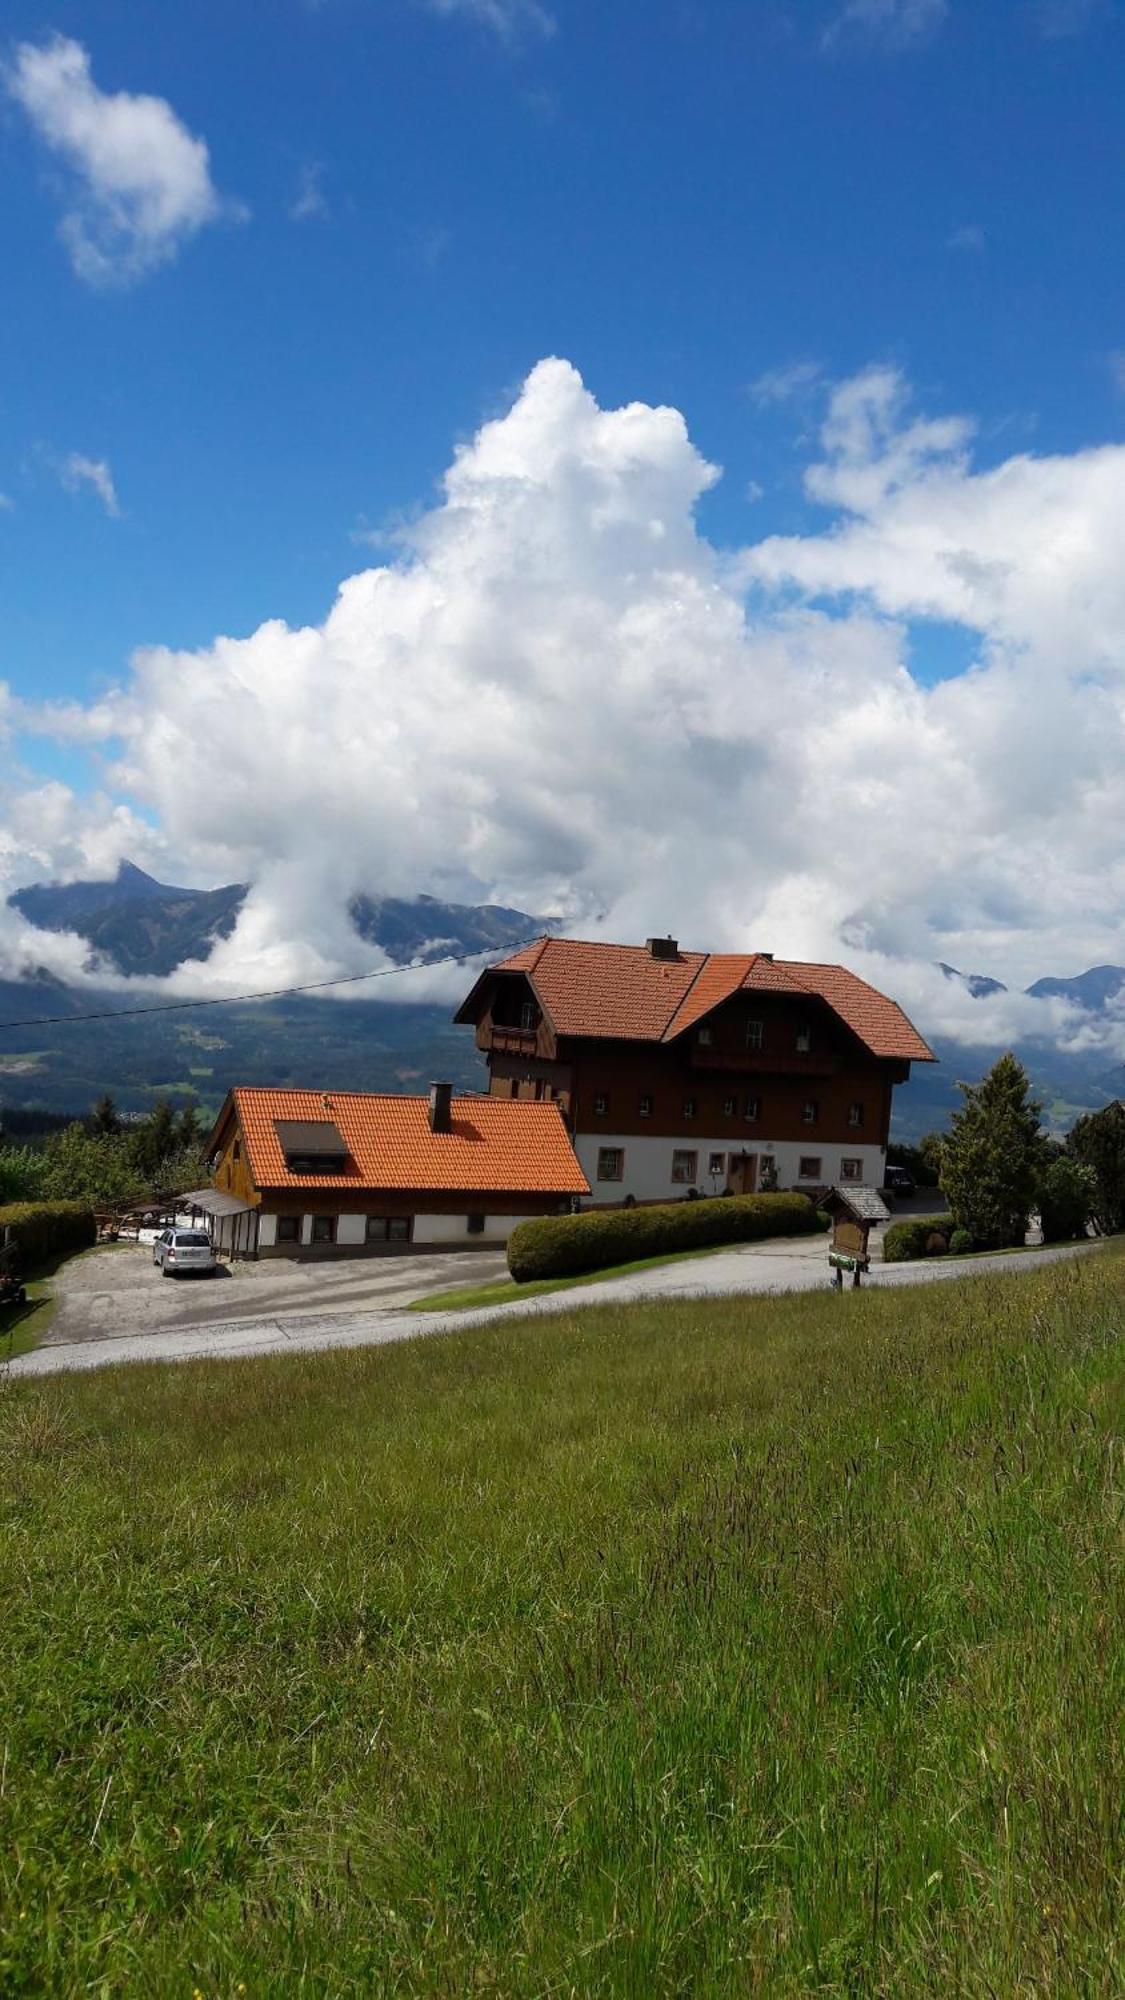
x: 233, y: 1224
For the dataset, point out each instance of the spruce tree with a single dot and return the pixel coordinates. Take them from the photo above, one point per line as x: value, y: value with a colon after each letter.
x: 104, y: 1116
x: 191, y: 1134
x: 993, y: 1157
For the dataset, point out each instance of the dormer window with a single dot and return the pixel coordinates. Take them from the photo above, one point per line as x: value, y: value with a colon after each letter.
x: 529, y: 1015
x: 754, y: 1034
x: 311, y: 1145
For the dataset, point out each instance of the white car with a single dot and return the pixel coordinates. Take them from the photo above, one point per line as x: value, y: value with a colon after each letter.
x: 179, y: 1251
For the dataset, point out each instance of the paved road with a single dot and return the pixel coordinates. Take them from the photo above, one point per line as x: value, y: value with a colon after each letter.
x: 754, y: 1268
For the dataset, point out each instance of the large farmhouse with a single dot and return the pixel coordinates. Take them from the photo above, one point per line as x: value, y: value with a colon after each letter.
x: 341, y: 1173
x: 682, y: 1069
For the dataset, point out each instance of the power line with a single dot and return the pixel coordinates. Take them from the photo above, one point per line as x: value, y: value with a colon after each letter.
x: 268, y: 993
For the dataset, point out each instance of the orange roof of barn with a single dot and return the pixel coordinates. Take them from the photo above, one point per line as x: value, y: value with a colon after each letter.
x: 497, y: 1145
x: 622, y: 992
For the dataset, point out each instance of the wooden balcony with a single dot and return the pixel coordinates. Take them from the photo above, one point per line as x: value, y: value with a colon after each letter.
x: 511, y: 1041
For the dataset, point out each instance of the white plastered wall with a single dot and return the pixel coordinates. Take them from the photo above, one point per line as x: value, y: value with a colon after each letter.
x: 648, y: 1162
x: 455, y: 1229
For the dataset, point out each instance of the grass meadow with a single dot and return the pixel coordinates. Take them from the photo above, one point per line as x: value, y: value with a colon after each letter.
x: 751, y: 1646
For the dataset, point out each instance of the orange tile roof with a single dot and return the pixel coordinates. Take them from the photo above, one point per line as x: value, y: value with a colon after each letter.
x: 498, y: 1145
x: 620, y: 992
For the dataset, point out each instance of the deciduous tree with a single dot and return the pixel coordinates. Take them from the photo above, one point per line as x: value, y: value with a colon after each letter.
x: 1098, y: 1142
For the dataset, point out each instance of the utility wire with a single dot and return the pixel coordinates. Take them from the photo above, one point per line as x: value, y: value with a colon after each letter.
x: 269, y: 993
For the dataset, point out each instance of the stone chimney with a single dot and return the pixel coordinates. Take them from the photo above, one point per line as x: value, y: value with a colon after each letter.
x: 441, y: 1107
x: 665, y: 947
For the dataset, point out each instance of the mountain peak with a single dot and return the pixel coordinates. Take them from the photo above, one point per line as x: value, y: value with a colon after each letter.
x: 978, y: 983
x: 133, y: 881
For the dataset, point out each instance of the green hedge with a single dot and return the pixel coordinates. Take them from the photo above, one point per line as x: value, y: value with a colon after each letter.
x: 42, y: 1229
x: 564, y: 1246
x: 909, y: 1239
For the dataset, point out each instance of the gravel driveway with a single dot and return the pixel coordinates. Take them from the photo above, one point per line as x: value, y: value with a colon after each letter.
x: 117, y: 1292
x: 315, y: 1314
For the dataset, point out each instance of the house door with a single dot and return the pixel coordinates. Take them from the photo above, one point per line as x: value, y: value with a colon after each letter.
x: 743, y: 1175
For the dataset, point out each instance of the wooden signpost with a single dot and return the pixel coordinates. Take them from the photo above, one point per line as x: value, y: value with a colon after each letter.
x: 853, y: 1211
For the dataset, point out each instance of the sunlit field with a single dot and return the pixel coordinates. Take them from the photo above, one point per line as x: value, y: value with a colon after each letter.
x: 763, y: 1645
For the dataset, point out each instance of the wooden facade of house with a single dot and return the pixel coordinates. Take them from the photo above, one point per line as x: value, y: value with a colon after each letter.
x: 686, y: 1070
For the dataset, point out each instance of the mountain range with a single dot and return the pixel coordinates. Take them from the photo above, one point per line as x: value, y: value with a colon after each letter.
x: 135, y: 925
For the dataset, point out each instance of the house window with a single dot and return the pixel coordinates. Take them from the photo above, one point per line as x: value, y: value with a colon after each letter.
x: 808, y: 1169
x: 288, y: 1228
x: 753, y: 1110
x: 855, y: 1114
x: 851, y: 1170
x: 716, y: 1163
x: 527, y: 1014
x: 324, y: 1229
x: 811, y: 1111
x: 753, y: 1034
x: 704, y: 1038
x: 611, y: 1163
x: 685, y: 1167
x: 804, y: 1039
x: 646, y: 1107
x: 730, y: 1106
x: 236, y: 1150
x: 601, y: 1105
x: 689, y: 1107
x: 474, y: 1225
x: 389, y: 1228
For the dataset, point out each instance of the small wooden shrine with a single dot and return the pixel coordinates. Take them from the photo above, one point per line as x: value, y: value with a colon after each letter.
x: 853, y: 1211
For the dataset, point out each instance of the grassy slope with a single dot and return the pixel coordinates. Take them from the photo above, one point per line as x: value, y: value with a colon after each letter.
x: 753, y: 1645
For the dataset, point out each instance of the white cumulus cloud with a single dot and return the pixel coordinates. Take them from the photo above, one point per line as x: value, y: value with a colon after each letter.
x: 76, y: 471
x: 554, y: 692
x: 140, y: 181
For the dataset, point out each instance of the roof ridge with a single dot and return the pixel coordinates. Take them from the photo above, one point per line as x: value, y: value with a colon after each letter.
x: 666, y: 1033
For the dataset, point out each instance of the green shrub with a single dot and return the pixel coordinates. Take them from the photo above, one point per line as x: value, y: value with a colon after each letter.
x: 41, y: 1229
x: 823, y: 1220
x: 908, y: 1239
x: 565, y: 1246
x: 961, y: 1242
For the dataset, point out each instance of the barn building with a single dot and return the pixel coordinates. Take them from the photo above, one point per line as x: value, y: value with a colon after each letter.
x: 348, y: 1173
x: 680, y: 1070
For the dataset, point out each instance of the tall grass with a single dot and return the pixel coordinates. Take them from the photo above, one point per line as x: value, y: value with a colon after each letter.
x: 704, y: 1648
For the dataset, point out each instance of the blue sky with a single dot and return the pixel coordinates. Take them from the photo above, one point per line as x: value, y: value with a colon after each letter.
x: 680, y: 197
x: 265, y: 279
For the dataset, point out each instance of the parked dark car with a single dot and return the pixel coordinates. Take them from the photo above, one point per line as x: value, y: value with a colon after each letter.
x: 896, y: 1180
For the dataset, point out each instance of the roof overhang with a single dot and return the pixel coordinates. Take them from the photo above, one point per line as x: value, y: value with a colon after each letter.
x: 213, y: 1202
